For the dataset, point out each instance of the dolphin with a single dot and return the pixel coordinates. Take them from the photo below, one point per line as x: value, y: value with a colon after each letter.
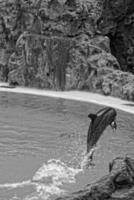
x: 99, y: 122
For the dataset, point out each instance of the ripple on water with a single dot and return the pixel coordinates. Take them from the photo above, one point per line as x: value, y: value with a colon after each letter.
x: 36, y: 129
x: 47, y: 181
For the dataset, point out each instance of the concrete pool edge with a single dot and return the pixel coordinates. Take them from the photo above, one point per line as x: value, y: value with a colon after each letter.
x: 127, y: 106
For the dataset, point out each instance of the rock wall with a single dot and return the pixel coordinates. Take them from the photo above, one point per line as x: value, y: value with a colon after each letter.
x: 51, y: 43
x: 56, y: 44
x: 116, y: 22
x: 117, y: 185
x: 111, y: 82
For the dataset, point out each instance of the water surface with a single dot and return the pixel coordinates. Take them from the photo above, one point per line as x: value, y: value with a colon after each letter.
x: 42, y: 145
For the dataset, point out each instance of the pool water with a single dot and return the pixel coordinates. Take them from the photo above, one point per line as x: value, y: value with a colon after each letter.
x: 43, y: 145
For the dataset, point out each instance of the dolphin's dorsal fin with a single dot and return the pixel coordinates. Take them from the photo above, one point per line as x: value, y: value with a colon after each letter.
x: 92, y: 116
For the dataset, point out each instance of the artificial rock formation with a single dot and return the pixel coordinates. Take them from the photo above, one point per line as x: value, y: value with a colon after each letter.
x: 116, y: 22
x: 117, y: 185
x: 52, y: 43
x: 114, y: 83
x: 56, y: 44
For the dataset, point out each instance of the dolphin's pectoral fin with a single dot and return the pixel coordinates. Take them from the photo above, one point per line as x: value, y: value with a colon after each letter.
x: 89, y: 158
x: 92, y: 116
x: 113, y: 125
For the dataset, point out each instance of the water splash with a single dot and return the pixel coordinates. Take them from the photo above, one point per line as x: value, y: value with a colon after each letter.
x: 51, y: 176
x: 15, y: 185
x: 58, y: 171
x: 88, y: 159
x: 48, y: 180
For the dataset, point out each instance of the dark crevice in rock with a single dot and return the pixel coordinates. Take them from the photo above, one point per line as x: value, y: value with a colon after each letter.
x: 116, y: 22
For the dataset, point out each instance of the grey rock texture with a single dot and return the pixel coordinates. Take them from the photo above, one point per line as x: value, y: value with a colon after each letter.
x: 51, y: 43
x: 116, y: 22
x: 115, y: 83
x: 55, y: 44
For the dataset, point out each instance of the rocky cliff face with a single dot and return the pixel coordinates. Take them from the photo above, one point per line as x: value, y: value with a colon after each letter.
x: 52, y: 43
x: 56, y: 44
x: 116, y: 22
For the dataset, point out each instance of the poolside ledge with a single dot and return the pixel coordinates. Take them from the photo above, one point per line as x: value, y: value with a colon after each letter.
x: 127, y: 106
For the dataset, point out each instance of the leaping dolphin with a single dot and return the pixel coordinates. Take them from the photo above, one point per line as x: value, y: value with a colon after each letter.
x: 99, y: 122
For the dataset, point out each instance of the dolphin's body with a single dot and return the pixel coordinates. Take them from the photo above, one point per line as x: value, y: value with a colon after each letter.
x: 99, y: 122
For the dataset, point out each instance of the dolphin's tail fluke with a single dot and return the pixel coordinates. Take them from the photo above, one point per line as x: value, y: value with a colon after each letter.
x: 88, y: 159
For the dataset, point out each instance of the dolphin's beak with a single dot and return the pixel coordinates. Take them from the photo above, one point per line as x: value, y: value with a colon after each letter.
x: 113, y: 125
